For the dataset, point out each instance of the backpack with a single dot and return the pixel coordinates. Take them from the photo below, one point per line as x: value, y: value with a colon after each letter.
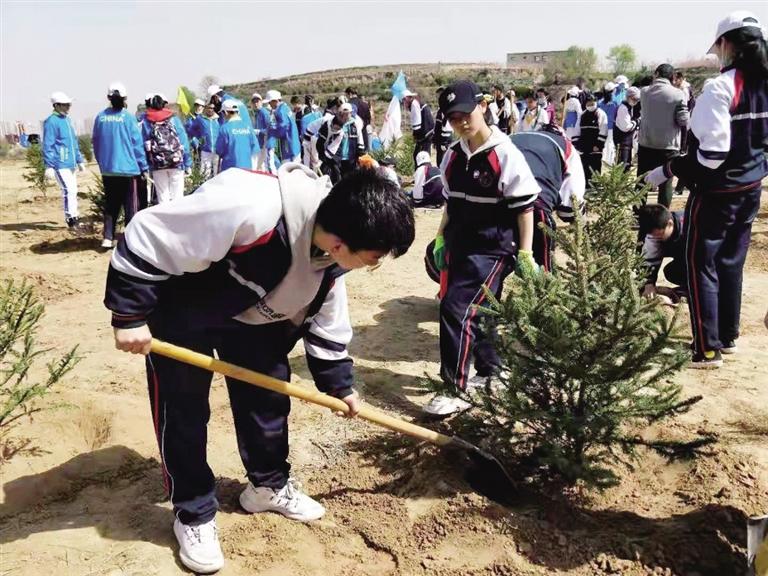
x: 165, y: 149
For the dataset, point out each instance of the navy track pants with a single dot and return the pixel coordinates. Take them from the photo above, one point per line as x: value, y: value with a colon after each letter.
x: 717, y: 239
x: 178, y: 396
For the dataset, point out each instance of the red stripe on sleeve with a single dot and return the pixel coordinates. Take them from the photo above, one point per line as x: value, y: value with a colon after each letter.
x: 738, y: 83
x: 258, y: 242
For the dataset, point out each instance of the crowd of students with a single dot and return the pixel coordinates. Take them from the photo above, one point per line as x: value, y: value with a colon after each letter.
x: 253, y: 261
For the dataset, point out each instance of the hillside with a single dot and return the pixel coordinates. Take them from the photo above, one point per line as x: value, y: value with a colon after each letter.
x: 373, y: 82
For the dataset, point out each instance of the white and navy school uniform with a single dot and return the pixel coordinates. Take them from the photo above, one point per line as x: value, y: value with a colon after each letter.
x: 231, y: 268
x: 624, y: 130
x: 591, y: 132
x: 558, y: 170
x: 427, y: 186
x: 724, y: 166
x: 655, y: 250
x: 442, y: 136
x: 485, y: 191
x: 423, y: 126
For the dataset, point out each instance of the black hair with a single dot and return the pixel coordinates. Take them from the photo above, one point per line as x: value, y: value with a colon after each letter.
x: 750, y: 52
x: 499, y: 87
x: 368, y: 212
x: 156, y: 102
x: 349, y: 91
x: 679, y: 74
x: 308, y: 99
x: 295, y: 100
x: 664, y: 71
x: 653, y: 217
x: 542, y: 91
x: 607, y: 96
x: 333, y: 102
x: 117, y: 101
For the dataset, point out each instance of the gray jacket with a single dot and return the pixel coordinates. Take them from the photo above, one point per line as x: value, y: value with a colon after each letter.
x: 663, y: 113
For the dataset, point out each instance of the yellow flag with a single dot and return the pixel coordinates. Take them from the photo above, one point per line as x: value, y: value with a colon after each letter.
x: 181, y: 100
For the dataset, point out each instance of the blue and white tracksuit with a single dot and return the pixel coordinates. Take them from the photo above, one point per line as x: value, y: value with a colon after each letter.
x: 61, y: 151
x: 206, y: 130
x: 723, y: 168
x: 119, y: 150
x: 485, y: 191
x: 236, y: 144
x: 286, y: 134
x: 610, y: 108
x: 559, y: 172
x: 237, y: 275
x: 264, y: 119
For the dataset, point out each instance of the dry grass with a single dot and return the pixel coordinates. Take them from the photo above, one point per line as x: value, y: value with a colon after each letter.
x: 95, y: 424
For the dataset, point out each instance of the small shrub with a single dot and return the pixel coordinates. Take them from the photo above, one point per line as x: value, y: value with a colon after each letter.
x: 86, y: 147
x: 35, y: 169
x: 21, y: 311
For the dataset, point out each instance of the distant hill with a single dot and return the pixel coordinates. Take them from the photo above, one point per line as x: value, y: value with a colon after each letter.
x: 373, y: 82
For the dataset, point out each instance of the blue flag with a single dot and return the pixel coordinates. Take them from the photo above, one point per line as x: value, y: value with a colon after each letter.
x: 398, y: 86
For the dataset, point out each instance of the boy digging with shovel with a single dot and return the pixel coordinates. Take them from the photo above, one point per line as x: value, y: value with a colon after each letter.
x: 247, y: 265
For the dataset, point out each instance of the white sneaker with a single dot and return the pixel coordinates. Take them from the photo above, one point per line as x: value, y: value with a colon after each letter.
x: 289, y: 501
x: 441, y: 405
x: 199, y: 547
x: 106, y: 243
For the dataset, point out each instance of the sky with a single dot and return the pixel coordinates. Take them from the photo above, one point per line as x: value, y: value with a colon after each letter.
x: 79, y: 47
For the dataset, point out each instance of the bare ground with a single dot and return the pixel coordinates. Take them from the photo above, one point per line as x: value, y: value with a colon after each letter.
x: 82, y: 491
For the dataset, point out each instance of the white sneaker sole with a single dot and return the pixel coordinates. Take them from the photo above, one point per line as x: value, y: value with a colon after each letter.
x: 199, y: 568
x: 732, y: 350
x: 253, y: 508
x: 706, y: 365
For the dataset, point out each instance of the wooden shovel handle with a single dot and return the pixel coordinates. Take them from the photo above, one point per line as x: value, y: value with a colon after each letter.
x: 367, y: 413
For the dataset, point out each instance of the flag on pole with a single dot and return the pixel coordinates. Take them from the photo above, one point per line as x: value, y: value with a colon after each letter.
x: 181, y: 100
x: 398, y: 86
x: 390, y: 131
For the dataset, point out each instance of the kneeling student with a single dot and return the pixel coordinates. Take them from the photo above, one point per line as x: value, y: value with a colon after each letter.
x: 662, y: 233
x: 251, y: 263
x: 427, y: 184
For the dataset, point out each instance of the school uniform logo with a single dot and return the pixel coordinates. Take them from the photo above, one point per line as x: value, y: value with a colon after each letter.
x: 484, y: 178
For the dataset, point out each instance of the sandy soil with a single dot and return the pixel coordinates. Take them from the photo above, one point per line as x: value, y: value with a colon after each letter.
x: 82, y: 491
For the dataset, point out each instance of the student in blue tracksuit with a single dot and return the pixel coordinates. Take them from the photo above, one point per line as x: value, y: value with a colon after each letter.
x: 309, y: 116
x: 119, y: 150
x: 61, y: 154
x: 205, y: 129
x: 217, y: 96
x: 724, y: 168
x: 610, y: 107
x: 168, y: 153
x: 194, y: 144
x: 236, y: 143
x: 262, y: 120
x: 284, y: 129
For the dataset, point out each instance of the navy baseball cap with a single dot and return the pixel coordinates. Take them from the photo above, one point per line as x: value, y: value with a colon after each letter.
x: 462, y: 96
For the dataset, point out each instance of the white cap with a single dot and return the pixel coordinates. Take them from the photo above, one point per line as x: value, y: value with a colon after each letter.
x: 621, y: 79
x: 273, y: 95
x: 60, y: 98
x: 734, y: 21
x: 634, y: 92
x: 609, y: 86
x: 256, y: 96
x: 423, y: 157
x: 407, y: 93
x: 213, y: 89
x: 199, y: 102
x: 230, y: 105
x: 574, y: 91
x: 116, y: 88
x: 346, y: 107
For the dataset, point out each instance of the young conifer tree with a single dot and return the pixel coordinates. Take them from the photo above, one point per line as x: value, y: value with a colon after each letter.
x: 587, y: 361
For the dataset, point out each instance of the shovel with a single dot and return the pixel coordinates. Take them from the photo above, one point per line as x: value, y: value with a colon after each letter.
x: 489, y: 477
